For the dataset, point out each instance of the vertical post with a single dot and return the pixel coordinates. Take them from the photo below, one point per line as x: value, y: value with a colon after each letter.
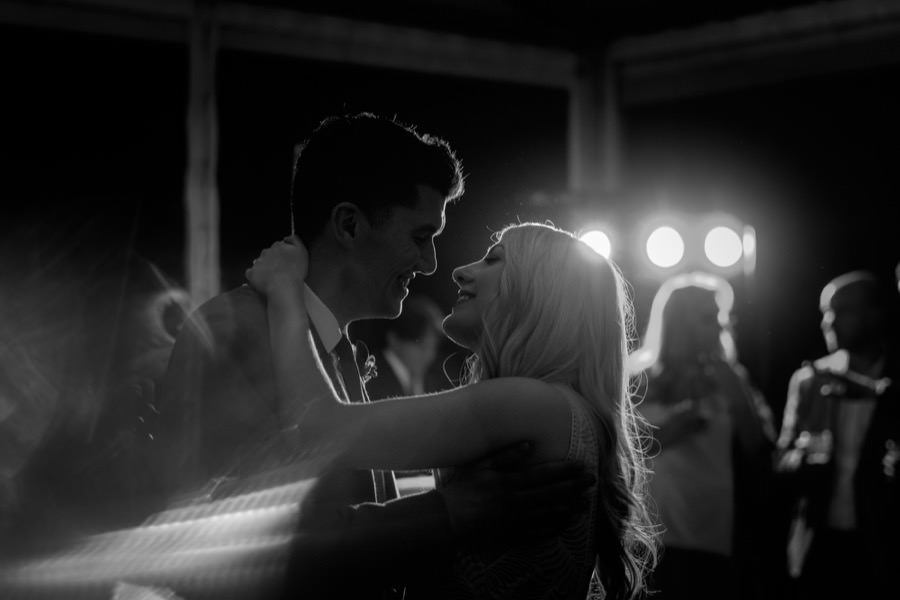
x: 756, y: 303
x: 201, y: 194
x: 594, y: 128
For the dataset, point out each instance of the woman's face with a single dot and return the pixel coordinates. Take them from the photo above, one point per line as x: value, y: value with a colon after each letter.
x: 479, y: 284
x: 692, y: 324
x: 706, y: 326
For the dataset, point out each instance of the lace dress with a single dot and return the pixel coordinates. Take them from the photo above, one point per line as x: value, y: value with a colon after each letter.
x: 558, y: 568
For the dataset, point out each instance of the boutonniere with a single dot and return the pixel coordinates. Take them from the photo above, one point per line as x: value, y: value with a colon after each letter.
x: 369, y: 370
x: 890, y: 459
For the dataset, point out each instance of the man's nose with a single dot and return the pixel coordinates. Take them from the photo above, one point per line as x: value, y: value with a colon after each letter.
x: 427, y: 264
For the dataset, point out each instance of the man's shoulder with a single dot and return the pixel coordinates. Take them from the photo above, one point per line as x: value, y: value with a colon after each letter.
x: 239, y: 311
x: 242, y: 301
x: 226, y: 330
x: 830, y: 363
x: 836, y: 362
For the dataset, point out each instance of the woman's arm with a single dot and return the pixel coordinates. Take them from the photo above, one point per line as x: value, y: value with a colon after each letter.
x: 278, y: 274
x: 672, y: 418
x: 436, y: 430
x: 448, y: 428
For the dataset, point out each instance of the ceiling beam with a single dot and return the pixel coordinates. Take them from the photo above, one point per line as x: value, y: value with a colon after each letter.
x: 335, y: 39
x: 759, y: 50
x: 162, y: 21
x: 307, y: 36
x: 772, y: 47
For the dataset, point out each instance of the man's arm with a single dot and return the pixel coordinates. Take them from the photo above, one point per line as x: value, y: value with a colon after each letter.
x: 408, y: 538
x: 789, y: 458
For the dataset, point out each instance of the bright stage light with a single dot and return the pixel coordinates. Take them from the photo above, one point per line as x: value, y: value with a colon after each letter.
x: 749, y: 241
x: 598, y: 241
x: 723, y: 246
x: 665, y: 247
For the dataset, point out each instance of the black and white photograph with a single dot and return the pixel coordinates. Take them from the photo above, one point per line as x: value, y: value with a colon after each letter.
x: 449, y: 299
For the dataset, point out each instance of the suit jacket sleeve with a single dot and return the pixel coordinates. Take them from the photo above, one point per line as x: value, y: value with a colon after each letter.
x: 217, y: 405
x: 371, y: 546
x: 789, y: 424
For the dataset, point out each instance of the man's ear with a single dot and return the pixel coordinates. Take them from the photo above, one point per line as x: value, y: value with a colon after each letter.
x: 347, y: 223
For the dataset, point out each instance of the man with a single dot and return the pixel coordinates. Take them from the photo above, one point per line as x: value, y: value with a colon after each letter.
x: 368, y: 200
x: 838, y: 447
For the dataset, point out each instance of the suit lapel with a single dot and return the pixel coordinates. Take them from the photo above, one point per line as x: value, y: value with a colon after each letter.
x: 331, y: 366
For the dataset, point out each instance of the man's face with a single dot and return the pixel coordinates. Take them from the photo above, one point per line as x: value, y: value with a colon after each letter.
x: 391, y: 253
x: 848, y: 323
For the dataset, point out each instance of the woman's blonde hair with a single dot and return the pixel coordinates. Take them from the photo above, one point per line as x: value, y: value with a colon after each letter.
x: 563, y: 315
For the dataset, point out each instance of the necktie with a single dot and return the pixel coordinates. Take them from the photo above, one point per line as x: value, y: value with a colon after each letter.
x: 347, y: 371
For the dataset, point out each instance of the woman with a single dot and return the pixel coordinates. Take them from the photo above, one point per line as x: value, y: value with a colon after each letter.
x: 547, y: 320
x: 714, y: 437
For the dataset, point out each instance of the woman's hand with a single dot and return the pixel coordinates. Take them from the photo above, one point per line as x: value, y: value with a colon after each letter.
x: 676, y: 422
x: 280, y: 269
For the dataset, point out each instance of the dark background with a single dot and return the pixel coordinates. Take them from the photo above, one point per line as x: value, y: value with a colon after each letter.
x: 93, y: 153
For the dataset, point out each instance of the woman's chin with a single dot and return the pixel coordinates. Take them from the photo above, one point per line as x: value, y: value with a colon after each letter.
x: 457, y: 333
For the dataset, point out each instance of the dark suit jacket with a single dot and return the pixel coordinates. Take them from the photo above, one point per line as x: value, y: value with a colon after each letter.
x: 811, y: 405
x: 220, y: 418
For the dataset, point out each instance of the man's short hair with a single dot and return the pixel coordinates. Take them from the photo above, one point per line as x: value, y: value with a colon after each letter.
x: 374, y: 162
x: 865, y: 280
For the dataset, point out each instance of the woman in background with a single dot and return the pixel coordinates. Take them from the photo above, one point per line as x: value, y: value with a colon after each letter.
x: 713, y: 440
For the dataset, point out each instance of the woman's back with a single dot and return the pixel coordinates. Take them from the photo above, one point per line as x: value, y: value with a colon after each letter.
x: 559, y: 567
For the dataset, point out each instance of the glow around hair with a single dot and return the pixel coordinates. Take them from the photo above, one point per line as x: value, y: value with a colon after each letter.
x: 563, y: 315
x: 654, y: 337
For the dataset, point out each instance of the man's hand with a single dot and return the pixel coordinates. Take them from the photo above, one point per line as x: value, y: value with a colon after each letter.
x: 503, y: 496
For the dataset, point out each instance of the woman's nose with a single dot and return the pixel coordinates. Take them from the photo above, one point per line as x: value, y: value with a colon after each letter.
x: 461, y: 275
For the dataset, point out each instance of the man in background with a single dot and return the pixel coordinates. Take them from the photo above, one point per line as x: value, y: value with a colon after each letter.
x: 838, y: 450
x: 405, y: 357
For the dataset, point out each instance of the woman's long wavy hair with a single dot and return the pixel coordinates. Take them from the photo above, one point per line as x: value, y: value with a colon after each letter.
x: 563, y: 315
